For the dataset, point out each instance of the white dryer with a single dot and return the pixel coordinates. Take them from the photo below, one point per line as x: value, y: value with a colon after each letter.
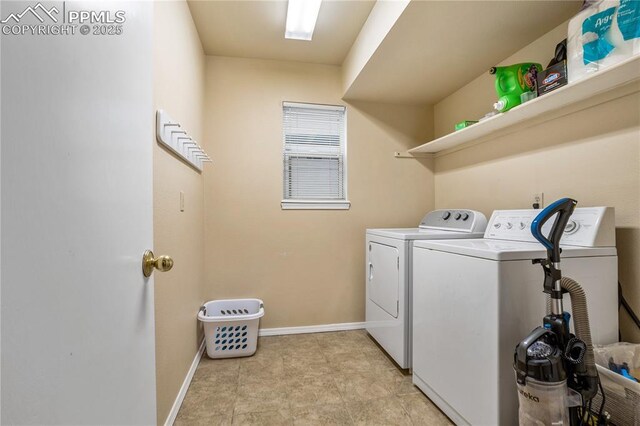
x: 388, y: 274
x: 473, y: 301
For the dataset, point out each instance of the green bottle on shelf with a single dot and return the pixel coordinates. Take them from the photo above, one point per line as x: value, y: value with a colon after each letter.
x: 512, y: 81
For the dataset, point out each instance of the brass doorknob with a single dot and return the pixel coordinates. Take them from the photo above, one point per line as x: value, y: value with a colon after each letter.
x: 161, y: 263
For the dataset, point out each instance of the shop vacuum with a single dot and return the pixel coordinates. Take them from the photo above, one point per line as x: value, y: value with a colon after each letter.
x: 555, y: 369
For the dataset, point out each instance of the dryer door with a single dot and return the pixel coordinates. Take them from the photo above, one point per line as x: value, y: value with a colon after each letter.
x: 384, y: 276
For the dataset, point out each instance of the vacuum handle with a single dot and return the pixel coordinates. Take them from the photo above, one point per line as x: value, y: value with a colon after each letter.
x: 564, y: 208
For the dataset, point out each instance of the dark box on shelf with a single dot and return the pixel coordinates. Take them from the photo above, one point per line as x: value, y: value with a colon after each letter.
x: 552, y: 78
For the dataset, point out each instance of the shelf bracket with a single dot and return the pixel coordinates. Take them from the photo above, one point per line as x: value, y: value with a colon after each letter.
x: 407, y: 154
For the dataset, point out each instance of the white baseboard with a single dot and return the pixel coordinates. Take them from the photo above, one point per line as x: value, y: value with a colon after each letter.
x: 312, y: 329
x: 185, y: 386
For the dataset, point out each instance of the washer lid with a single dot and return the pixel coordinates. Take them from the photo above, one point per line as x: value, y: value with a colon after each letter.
x: 422, y: 234
x: 509, y: 250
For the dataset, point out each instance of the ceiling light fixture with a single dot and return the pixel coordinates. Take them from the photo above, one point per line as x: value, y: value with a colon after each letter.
x: 301, y: 19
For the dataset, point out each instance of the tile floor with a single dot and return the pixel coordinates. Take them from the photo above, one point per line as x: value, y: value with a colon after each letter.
x: 340, y: 378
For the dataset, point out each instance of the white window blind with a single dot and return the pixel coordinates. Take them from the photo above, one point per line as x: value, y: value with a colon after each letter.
x: 314, y: 174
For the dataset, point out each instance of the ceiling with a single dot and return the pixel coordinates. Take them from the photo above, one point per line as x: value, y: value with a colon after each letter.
x: 255, y: 29
x: 436, y: 47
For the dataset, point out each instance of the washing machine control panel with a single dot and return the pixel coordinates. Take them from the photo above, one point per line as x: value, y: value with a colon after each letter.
x: 459, y: 220
x: 587, y: 227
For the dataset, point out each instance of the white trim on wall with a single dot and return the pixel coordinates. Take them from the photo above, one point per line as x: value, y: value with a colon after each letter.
x: 185, y: 386
x: 312, y: 329
x: 315, y: 205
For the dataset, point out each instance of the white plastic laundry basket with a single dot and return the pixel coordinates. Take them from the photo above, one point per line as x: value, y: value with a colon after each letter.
x: 231, y: 326
x: 622, y: 400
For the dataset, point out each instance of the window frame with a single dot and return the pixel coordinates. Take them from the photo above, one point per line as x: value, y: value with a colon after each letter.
x: 317, y: 204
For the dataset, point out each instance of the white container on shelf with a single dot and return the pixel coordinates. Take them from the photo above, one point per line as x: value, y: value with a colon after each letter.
x: 602, y: 34
x: 231, y: 326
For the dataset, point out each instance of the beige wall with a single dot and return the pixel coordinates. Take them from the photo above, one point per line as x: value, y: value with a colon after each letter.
x: 178, y: 89
x: 307, y: 266
x: 592, y: 155
x: 382, y: 18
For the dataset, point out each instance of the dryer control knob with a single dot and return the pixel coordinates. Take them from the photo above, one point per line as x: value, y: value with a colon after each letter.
x: 497, y: 225
x: 571, y: 227
x: 465, y: 216
x: 458, y: 216
x: 522, y: 225
x: 446, y: 215
x: 509, y: 225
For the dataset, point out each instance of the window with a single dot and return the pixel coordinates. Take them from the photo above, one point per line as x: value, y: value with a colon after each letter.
x: 314, y: 157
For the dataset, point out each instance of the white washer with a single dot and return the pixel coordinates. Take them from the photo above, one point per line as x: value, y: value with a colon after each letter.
x: 474, y: 300
x: 388, y: 274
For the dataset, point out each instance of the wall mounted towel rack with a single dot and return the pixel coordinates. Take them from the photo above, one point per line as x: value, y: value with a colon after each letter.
x: 171, y: 135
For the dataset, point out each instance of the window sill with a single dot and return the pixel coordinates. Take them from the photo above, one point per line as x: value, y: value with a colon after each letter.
x: 315, y: 205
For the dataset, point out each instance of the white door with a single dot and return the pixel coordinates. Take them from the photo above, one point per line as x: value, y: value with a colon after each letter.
x: 76, y: 195
x: 384, y: 277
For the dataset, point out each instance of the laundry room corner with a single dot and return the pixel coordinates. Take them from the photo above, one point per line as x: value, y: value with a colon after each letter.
x: 305, y: 264
x: 178, y: 190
